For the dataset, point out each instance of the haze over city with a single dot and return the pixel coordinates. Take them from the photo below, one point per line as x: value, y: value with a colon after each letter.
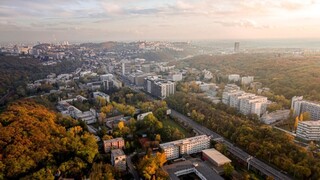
x: 125, y: 20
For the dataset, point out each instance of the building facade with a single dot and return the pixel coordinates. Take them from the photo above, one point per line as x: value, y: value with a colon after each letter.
x: 300, y: 106
x: 116, y: 143
x: 119, y: 159
x: 191, y: 145
x: 309, y: 130
x: 158, y: 87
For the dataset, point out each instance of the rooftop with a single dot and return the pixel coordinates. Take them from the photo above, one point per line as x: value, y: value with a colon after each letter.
x: 117, y: 152
x: 201, y: 167
x: 184, y: 141
x: 311, y: 123
x: 216, y: 156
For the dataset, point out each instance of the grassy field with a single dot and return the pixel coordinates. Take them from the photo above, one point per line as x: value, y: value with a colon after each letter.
x: 171, y: 123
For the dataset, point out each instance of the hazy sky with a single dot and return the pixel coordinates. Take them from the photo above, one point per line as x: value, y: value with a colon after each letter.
x: 94, y: 20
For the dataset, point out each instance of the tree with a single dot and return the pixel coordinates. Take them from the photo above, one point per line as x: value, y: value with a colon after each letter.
x: 107, y: 137
x: 158, y: 138
x: 33, y: 142
x: 296, y: 123
x: 121, y: 125
x: 101, y: 171
x: 228, y: 169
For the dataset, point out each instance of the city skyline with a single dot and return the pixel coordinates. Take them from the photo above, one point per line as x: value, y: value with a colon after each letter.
x: 125, y: 20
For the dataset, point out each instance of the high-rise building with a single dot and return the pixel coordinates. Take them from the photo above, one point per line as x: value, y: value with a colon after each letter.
x: 191, y: 145
x: 236, y: 46
x: 246, y: 103
x: 159, y: 87
x: 118, y: 159
x: 309, y: 130
x: 300, y: 106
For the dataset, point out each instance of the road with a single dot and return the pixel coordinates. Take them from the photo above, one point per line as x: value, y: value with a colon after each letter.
x: 132, y: 170
x: 254, y: 162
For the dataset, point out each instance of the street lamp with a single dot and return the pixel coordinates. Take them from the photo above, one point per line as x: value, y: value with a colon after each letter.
x: 248, y: 161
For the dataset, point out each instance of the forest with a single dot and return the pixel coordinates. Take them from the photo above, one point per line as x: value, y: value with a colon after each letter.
x: 257, y: 139
x: 287, y: 75
x: 16, y: 72
x: 36, y: 143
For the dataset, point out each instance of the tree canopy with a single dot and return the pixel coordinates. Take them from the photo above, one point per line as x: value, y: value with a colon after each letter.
x: 33, y: 143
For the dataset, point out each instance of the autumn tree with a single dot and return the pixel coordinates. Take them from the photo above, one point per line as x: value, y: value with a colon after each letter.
x: 33, y: 143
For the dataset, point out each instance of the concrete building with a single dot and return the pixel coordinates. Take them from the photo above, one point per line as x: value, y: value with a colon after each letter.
x: 191, y: 145
x: 101, y: 95
x: 215, y: 157
x: 106, y: 77
x: 309, y: 130
x: 253, y: 105
x: 196, y: 166
x: 119, y: 159
x: 175, y: 77
x: 158, y: 87
x: 300, y: 106
x: 269, y: 118
x: 233, y: 77
x: 146, y: 68
x: 116, y: 143
x: 247, y: 80
x: 207, y: 74
x: 246, y: 103
x: 206, y: 86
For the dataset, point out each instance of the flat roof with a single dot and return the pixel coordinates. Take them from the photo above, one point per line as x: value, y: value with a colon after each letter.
x: 202, y: 168
x: 117, y: 152
x: 216, y: 156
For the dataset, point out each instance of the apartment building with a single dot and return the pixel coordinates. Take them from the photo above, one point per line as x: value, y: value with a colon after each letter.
x: 191, y: 145
x: 247, y: 80
x: 253, y: 105
x: 101, y: 95
x: 300, y: 106
x: 158, y: 87
x: 309, y: 130
x: 119, y: 159
x: 234, y: 77
x: 246, y: 103
x: 116, y: 143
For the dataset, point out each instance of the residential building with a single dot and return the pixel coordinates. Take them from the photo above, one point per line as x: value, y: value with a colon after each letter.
x: 269, y: 118
x: 247, y: 80
x: 300, y: 106
x: 191, y: 145
x: 253, y: 105
x: 206, y: 86
x: 207, y: 74
x: 159, y: 87
x: 246, y: 103
x: 309, y: 130
x: 175, y: 77
x: 101, y: 95
x: 116, y: 143
x: 119, y: 159
x: 234, y: 77
x: 106, y: 77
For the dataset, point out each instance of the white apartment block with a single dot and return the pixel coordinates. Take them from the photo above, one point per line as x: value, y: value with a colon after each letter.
x: 159, y: 87
x: 309, y: 130
x: 191, y: 145
x: 300, y: 106
x: 102, y: 95
x: 207, y: 74
x: 247, y: 80
x: 119, y: 159
x: 234, y: 77
x: 246, y: 103
x: 253, y: 105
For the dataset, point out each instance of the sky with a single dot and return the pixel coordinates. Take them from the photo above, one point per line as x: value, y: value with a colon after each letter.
x: 128, y: 20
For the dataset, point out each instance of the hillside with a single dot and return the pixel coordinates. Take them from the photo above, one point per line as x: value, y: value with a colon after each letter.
x: 285, y: 75
x: 34, y: 144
